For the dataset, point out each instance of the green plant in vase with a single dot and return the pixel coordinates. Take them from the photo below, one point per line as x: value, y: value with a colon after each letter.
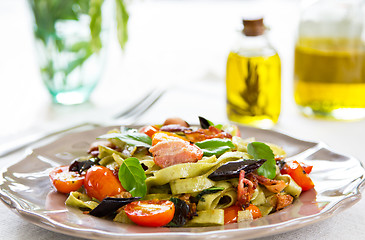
x: 70, y: 37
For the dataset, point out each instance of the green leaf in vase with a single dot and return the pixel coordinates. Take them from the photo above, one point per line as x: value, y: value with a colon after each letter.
x: 122, y: 22
x: 95, y: 23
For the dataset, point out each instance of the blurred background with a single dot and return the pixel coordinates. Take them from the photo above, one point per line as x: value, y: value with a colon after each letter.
x: 182, y: 45
x: 171, y: 42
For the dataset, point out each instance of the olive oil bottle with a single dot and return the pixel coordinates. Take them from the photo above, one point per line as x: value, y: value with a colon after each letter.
x: 253, y: 79
x: 329, y: 67
x: 329, y: 77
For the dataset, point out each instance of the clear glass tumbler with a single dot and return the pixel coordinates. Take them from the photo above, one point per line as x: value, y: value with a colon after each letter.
x: 70, y: 37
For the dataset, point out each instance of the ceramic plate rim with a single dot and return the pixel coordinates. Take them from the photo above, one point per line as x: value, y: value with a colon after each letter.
x: 52, y: 225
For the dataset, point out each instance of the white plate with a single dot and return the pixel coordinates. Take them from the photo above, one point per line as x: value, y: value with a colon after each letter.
x: 26, y: 189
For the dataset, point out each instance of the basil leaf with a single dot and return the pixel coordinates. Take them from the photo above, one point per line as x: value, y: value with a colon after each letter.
x: 130, y: 138
x: 219, y: 126
x: 205, y: 123
x: 132, y: 177
x: 259, y: 150
x: 215, y: 146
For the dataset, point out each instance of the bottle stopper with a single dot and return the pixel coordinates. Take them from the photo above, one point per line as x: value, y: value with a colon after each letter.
x: 253, y: 27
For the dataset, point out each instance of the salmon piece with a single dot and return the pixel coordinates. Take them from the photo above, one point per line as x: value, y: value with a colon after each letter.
x: 165, y: 136
x: 171, y: 152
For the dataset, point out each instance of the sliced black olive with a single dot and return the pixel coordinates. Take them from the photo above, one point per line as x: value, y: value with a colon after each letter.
x: 145, y: 168
x: 181, y: 214
x: 204, y: 123
x: 110, y: 205
x: 232, y: 169
x: 80, y: 166
x: 280, y: 163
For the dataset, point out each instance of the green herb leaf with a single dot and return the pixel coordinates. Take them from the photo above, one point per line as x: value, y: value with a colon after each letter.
x: 259, y: 150
x: 95, y: 23
x: 215, y: 146
x: 132, y: 177
x: 219, y: 126
x: 208, y: 191
x: 205, y: 123
x: 122, y: 22
x: 130, y: 138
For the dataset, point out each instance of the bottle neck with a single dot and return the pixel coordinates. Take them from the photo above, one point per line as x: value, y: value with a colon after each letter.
x: 254, y: 46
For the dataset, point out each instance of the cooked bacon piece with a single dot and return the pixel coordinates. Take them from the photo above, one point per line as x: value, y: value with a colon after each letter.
x: 283, y: 200
x: 245, y: 190
x: 174, y: 128
x: 94, y: 147
x: 274, y: 186
x: 178, y: 121
x: 172, y: 152
x: 123, y: 195
x: 203, y: 134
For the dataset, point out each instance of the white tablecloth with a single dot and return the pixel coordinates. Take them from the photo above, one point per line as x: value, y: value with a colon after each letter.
x: 182, y: 44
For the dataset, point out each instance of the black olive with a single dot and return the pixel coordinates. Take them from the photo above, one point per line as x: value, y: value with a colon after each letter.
x: 232, y: 169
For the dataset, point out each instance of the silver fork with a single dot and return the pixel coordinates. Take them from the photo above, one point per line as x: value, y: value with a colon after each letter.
x: 128, y: 116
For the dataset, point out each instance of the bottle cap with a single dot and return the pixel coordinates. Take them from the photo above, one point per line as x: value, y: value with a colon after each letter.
x: 253, y: 27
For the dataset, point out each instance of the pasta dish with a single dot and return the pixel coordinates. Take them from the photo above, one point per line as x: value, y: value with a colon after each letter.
x: 177, y: 175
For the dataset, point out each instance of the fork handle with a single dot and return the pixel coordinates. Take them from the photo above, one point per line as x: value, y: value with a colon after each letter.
x: 25, y: 141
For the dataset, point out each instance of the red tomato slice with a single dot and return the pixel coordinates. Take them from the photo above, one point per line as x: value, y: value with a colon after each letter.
x: 150, y: 213
x: 100, y: 182
x: 306, y: 168
x: 255, y: 211
x: 64, y: 180
x: 295, y: 170
x: 149, y: 130
x: 231, y: 214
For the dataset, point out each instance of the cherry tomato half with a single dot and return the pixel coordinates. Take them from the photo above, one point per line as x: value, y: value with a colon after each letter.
x: 295, y: 170
x: 231, y: 214
x: 255, y: 211
x: 307, y: 168
x: 64, y: 180
x: 100, y: 182
x: 149, y: 130
x: 150, y: 213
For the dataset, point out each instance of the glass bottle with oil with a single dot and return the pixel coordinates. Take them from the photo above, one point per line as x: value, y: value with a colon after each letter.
x: 253, y: 78
x: 329, y: 68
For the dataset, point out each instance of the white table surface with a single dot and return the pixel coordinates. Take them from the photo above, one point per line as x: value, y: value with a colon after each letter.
x: 181, y: 44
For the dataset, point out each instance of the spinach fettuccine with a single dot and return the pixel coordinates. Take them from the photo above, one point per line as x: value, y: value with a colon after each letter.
x: 176, y: 175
